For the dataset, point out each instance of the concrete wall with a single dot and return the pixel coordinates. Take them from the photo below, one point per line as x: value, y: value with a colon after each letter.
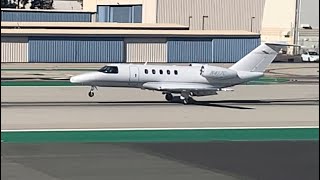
x: 278, y: 21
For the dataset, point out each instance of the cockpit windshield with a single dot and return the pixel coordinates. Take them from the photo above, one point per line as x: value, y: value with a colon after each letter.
x: 109, y: 69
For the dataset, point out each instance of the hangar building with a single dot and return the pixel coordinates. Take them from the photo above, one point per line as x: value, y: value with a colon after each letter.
x: 153, y: 30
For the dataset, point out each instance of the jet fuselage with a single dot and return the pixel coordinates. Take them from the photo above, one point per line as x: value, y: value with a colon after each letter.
x: 133, y: 75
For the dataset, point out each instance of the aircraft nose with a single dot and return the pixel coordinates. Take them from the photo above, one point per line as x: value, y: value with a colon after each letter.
x: 77, y: 79
x: 86, y: 78
x: 73, y: 79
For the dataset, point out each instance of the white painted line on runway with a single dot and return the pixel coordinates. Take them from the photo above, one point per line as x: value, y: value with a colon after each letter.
x: 152, y: 129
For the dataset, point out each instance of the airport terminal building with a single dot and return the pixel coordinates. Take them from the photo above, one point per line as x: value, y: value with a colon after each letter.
x: 159, y: 31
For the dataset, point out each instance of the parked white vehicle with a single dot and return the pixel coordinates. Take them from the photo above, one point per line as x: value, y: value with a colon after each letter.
x: 310, y: 56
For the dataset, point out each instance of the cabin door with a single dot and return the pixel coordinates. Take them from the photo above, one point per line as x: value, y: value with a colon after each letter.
x: 134, y: 75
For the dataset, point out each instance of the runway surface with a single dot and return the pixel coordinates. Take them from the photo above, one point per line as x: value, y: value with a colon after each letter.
x: 70, y: 107
x: 294, y: 160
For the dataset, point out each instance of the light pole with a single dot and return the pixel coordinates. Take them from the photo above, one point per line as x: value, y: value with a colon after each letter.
x: 251, y: 22
x: 296, y: 25
x: 190, y: 21
x: 203, y: 21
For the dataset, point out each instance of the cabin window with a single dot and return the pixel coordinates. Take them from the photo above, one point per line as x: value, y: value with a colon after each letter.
x: 153, y: 71
x: 175, y: 72
x: 160, y: 71
x: 109, y: 69
x: 146, y: 71
x: 168, y: 71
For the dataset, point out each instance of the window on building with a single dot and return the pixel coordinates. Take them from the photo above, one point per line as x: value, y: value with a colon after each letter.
x: 153, y: 71
x: 175, y: 72
x: 160, y: 71
x: 120, y: 14
x: 168, y: 71
x: 146, y: 71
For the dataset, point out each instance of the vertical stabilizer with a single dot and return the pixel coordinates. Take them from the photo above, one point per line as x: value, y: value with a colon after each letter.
x: 258, y: 59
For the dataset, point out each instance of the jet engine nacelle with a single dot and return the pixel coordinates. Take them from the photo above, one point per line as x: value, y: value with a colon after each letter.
x: 217, y: 72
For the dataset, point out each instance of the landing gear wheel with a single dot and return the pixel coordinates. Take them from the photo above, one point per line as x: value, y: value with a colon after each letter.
x: 91, y: 94
x: 185, y: 97
x: 169, y: 97
x: 185, y: 101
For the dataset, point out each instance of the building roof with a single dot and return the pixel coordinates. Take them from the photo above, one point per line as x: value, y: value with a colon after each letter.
x: 124, y: 33
x: 90, y: 25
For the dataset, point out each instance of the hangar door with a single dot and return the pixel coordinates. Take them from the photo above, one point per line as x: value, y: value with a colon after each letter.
x: 146, y: 50
x: 75, y: 50
x: 14, y: 49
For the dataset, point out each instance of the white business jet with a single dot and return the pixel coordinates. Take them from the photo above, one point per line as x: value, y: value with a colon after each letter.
x: 185, y: 81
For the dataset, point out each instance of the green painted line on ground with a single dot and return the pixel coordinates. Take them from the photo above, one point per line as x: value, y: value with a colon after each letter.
x: 36, y: 83
x: 67, y: 83
x: 196, y: 135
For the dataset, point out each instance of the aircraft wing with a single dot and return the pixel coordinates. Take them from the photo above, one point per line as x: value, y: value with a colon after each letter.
x: 178, y: 87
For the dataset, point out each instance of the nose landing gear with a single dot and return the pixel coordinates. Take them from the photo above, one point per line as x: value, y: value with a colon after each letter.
x: 91, y: 93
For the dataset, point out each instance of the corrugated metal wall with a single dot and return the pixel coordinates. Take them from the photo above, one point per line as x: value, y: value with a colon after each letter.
x: 222, y: 14
x: 26, y: 16
x: 14, y: 49
x: 146, y: 49
x: 222, y: 50
x: 107, y: 50
x: 189, y: 50
x: 232, y: 49
x: 76, y: 50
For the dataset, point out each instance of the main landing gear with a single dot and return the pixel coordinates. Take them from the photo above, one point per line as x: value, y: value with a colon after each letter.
x: 185, y: 97
x: 169, y: 97
x: 91, y: 93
